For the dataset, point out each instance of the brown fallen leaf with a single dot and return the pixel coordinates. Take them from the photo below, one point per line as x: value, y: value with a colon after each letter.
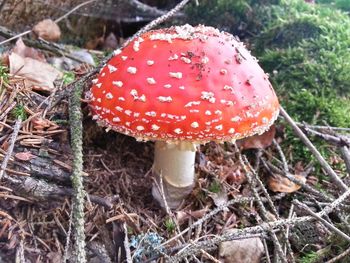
x: 219, y: 198
x: 36, y: 73
x: 47, y: 30
x: 232, y: 175
x: 278, y: 183
x: 25, y: 156
x: 258, y: 141
x: 184, y: 216
x: 27, y: 52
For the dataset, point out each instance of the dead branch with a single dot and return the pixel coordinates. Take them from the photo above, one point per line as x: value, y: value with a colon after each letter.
x: 39, y: 44
x: 324, y: 222
x: 15, y: 36
x: 340, y: 256
x: 329, y: 170
x: 244, y: 161
x: 42, y: 191
x: 10, y: 149
x: 345, y: 151
x: 76, y: 126
x: 194, y: 249
x: 321, y: 127
x: 337, y: 140
x: 263, y: 211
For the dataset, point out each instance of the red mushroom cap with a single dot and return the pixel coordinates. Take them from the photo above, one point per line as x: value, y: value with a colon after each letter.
x: 184, y: 83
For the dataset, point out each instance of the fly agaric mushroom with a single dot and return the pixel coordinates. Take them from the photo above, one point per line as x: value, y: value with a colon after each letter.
x: 183, y: 86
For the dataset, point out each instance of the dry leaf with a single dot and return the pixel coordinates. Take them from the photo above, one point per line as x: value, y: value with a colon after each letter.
x: 183, y: 216
x: 47, y: 30
x: 219, y: 198
x: 25, y: 156
x: 40, y: 123
x: 248, y: 250
x: 232, y: 175
x: 54, y: 257
x: 258, y: 141
x: 278, y: 183
x: 36, y: 73
x: 5, y: 145
x: 27, y: 52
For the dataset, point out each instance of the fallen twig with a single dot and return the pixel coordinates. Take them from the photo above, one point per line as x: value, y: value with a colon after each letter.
x: 345, y: 151
x: 320, y: 127
x: 75, y: 117
x: 10, y: 149
x: 57, y: 20
x: 271, y: 168
x: 315, y: 152
x: 245, y: 163
x: 252, y: 178
x: 324, y: 222
x: 332, y: 139
x: 340, y: 256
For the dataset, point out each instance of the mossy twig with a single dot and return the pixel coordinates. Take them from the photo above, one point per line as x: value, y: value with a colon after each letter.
x: 75, y: 117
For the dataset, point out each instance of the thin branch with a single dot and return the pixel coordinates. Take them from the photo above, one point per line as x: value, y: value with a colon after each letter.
x: 263, y: 211
x: 11, y: 147
x: 335, y: 203
x: 68, y: 236
x: 345, y: 152
x: 208, y: 216
x: 126, y: 244
x: 320, y: 127
x: 269, y: 201
x: 315, y: 152
x: 323, y: 221
x: 337, y: 140
x: 283, y: 157
x: 75, y: 117
x: 57, y: 20
x: 158, y: 21
x: 290, y: 177
x: 340, y: 256
x: 73, y: 10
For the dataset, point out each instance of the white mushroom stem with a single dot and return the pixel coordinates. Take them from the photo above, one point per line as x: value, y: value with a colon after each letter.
x: 174, y: 163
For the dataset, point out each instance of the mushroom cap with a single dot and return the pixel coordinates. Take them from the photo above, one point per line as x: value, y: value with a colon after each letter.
x: 184, y: 83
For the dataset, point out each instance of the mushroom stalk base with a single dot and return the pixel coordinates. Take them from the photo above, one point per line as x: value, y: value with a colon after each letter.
x: 175, y: 164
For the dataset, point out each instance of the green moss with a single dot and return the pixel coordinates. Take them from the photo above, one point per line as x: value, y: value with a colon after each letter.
x: 311, y: 257
x: 4, y: 73
x: 340, y: 4
x: 235, y: 16
x: 214, y: 187
x: 169, y: 225
x: 289, y: 34
x: 319, y: 108
x: 19, y: 112
x: 68, y: 77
